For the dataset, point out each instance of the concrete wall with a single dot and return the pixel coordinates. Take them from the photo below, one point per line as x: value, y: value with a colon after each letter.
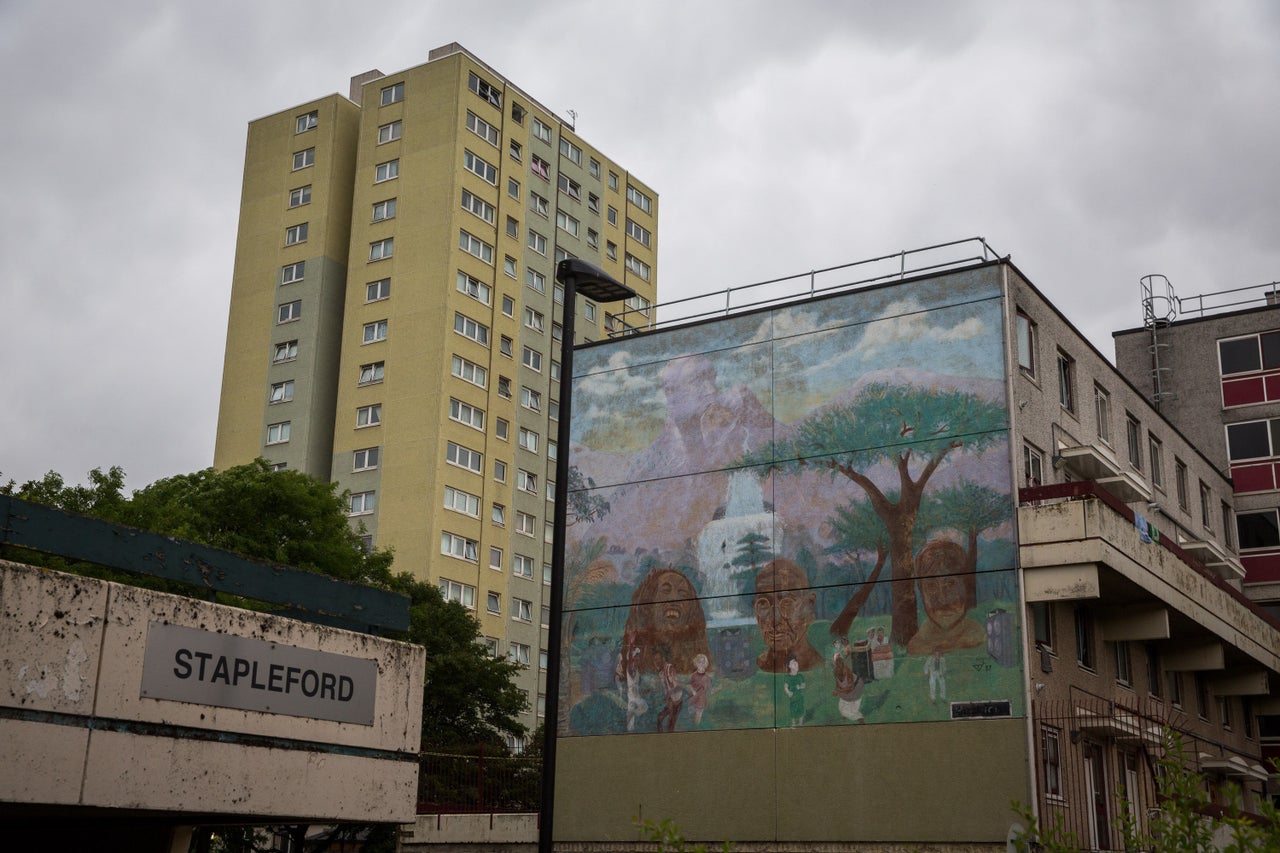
x: 77, y: 733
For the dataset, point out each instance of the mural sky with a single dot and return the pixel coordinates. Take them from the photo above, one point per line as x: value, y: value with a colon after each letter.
x: 801, y: 516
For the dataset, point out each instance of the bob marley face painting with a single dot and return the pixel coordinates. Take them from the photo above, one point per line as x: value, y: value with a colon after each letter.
x: 795, y: 517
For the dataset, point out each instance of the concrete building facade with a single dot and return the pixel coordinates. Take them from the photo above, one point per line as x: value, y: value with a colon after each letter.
x: 1212, y: 365
x: 394, y: 318
x: 933, y: 555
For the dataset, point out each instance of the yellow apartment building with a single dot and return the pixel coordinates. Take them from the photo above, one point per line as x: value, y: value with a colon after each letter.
x: 394, y: 319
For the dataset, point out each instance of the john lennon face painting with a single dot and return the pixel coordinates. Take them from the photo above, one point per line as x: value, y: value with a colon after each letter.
x: 794, y: 517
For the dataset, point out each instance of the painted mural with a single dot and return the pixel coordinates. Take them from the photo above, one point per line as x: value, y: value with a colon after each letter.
x: 795, y: 517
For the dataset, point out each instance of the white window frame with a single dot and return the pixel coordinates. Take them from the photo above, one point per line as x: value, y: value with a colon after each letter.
x: 285, y: 351
x: 637, y: 266
x: 528, y: 439
x: 385, y: 209
x: 639, y: 199
x: 298, y: 196
x: 451, y: 590
x: 474, y: 287
x: 295, y: 234
x: 304, y: 159
x: 567, y: 223
x: 392, y: 94
x: 532, y: 359
x: 369, y: 416
x: 530, y: 399
x: 519, y: 653
x: 540, y: 129
x: 521, y: 610
x: 465, y: 413
x: 638, y: 232
x: 482, y: 129
x: 573, y: 152
x: 537, y: 242
x: 478, y: 207
x: 281, y: 392
x: 365, y: 459
x: 278, y: 433
x: 390, y: 132
x: 469, y: 371
x: 461, y: 456
x: 361, y: 503
x: 483, y: 89
x: 457, y: 500
x: 474, y: 246
x: 376, y: 291
x: 372, y: 373
x: 289, y: 273
x: 388, y: 171
x: 469, y: 328
x: 307, y: 121
x: 522, y: 566
x: 289, y: 312
x: 535, y: 280
x: 374, y: 332
x: 569, y: 187
x: 479, y: 166
x: 380, y: 250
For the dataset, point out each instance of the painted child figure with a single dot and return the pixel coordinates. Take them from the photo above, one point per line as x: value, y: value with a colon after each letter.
x: 935, y: 669
x: 849, y: 685
x: 699, y: 687
x: 793, y: 686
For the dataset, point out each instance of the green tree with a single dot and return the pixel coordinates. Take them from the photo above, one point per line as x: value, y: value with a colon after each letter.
x: 753, y: 550
x: 281, y: 516
x: 292, y: 518
x: 468, y: 694
x: 858, y: 529
x: 908, y: 428
x: 969, y: 509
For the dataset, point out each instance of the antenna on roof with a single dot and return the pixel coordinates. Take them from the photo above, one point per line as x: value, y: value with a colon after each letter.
x: 573, y: 119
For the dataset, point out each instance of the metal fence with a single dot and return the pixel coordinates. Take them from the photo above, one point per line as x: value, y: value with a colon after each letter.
x: 1098, y: 765
x: 476, y: 779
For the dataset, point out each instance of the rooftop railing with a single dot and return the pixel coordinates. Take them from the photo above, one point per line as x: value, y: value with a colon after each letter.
x: 777, y: 291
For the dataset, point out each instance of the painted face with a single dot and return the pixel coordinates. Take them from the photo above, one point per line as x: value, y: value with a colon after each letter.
x: 672, y: 599
x: 943, y: 599
x: 784, y: 618
x: 793, y: 666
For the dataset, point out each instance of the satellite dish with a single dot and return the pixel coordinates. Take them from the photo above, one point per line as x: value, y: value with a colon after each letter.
x: 1013, y: 842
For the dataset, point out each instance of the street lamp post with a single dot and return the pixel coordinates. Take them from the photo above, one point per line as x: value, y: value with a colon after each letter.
x: 577, y: 276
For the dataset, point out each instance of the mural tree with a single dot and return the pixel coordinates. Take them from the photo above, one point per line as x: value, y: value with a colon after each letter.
x: 969, y: 509
x: 858, y: 529
x: 753, y: 552
x: 909, y: 429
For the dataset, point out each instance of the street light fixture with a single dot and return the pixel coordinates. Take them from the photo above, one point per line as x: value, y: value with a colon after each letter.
x: 577, y: 276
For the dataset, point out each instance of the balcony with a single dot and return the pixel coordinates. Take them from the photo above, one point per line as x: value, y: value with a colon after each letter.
x: 1078, y: 542
x: 1088, y: 462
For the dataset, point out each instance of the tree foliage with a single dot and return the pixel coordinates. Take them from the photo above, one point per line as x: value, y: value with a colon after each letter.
x: 969, y: 509
x: 858, y: 529
x: 292, y: 518
x: 910, y: 429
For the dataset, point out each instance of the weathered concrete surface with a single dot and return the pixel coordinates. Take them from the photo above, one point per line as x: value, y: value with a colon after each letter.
x: 75, y: 730
x: 444, y: 833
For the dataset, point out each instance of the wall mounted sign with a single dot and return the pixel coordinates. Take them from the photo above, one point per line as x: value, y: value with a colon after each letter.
x: 208, y: 668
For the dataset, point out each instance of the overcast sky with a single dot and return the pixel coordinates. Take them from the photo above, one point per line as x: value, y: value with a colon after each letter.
x: 1094, y: 142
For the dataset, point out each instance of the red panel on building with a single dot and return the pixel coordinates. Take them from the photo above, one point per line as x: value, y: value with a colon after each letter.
x: 1253, y: 478
x: 1243, y: 392
x: 1273, y: 386
x: 1261, y: 568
